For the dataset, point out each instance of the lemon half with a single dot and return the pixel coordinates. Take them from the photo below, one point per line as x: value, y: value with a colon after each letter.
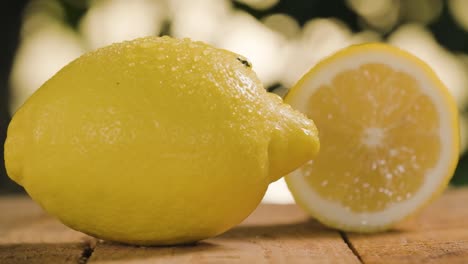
x: 389, y: 137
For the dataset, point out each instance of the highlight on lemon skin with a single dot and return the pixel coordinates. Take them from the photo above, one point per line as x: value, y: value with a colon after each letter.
x: 156, y: 141
x: 389, y: 138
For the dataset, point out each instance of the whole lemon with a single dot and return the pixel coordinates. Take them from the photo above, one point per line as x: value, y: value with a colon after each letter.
x: 155, y: 141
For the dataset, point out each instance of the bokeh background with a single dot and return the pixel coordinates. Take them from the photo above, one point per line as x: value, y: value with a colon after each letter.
x: 282, y: 39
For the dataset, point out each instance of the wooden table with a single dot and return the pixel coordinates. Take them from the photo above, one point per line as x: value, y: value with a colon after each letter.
x: 272, y: 234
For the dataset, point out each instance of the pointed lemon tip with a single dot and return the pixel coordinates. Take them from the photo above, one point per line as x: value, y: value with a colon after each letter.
x: 294, y: 142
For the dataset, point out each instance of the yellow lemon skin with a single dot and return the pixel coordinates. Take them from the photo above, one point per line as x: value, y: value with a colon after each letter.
x: 155, y: 141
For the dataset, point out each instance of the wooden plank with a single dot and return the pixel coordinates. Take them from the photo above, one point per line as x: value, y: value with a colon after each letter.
x: 29, y: 235
x: 450, y: 211
x: 16, y: 210
x: 438, y: 246
x: 67, y: 253
x: 272, y: 234
x: 438, y: 234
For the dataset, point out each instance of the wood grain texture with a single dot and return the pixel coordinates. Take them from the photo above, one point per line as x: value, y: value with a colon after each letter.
x: 438, y: 234
x: 450, y: 211
x: 16, y: 210
x: 438, y: 246
x: 67, y: 253
x: 272, y: 234
x: 29, y: 235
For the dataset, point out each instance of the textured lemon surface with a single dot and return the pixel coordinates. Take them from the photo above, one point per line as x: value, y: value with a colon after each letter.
x: 155, y: 141
x: 389, y: 137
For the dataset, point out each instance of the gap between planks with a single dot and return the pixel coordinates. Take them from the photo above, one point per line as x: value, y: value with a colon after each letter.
x: 88, y: 251
x: 350, y: 246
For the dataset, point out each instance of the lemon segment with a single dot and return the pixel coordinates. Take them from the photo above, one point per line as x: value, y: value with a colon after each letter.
x: 389, y: 137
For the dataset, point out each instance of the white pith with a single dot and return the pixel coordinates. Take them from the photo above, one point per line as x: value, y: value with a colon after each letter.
x: 335, y: 212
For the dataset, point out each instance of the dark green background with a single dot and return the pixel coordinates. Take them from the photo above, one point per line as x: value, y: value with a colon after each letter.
x: 445, y: 30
